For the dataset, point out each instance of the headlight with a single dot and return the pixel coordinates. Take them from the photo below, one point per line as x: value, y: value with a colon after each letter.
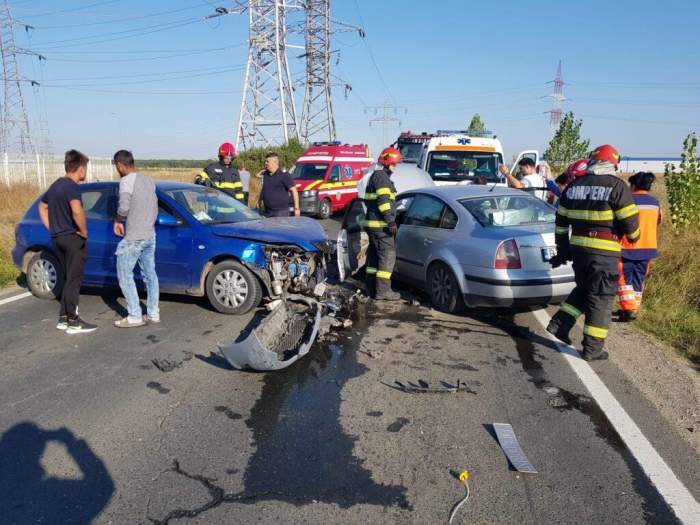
x: 308, y: 193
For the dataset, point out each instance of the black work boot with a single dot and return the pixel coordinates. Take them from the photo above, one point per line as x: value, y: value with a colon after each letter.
x: 391, y: 295
x: 593, y: 355
x: 626, y: 316
x: 559, y: 331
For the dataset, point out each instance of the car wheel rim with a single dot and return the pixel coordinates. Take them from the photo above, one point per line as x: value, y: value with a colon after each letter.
x: 230, y: 288
x: 324, y: 208
x: 441, y: 286
x: 44, y: 275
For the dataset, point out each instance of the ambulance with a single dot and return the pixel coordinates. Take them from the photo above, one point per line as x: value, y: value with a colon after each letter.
x: 456, y: 157
x: 326, y: 176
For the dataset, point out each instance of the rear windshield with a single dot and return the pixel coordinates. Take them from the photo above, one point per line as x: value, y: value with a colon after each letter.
x: 309, y: 171
x: 509, y: 210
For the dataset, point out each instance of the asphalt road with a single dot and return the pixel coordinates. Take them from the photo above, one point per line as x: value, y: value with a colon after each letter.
x: 91, y: 431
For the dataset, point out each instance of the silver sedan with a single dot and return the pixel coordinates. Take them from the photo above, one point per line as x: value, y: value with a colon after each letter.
x: 468, y: 245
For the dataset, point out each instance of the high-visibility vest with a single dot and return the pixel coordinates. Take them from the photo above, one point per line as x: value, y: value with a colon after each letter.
x: 649, y: 219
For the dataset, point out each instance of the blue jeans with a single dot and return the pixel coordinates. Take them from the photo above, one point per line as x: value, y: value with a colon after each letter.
x: 128, y: 254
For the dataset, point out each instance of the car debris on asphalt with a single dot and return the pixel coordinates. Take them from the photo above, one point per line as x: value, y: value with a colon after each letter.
x: 512, y: 449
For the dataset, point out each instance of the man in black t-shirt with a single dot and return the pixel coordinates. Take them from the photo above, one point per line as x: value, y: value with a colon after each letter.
x: 276, y: 187
x: 61, y: 211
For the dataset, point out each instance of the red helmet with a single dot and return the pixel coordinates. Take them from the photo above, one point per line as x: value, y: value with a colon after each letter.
x: 577, y: 169
x: 606, y: 153
x: 389, y: 156
x: 227, y: 149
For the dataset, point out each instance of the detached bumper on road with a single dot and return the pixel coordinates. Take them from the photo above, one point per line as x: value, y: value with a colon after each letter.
x: 494, y: 292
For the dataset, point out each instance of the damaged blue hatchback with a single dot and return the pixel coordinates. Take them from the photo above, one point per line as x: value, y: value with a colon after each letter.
x: 207, y: 244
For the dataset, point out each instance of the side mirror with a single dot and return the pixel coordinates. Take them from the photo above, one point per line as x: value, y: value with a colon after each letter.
x: 165, y: 219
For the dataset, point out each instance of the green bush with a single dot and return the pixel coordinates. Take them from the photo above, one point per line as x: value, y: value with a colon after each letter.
x: 254, y: 159
x: 683, y: 187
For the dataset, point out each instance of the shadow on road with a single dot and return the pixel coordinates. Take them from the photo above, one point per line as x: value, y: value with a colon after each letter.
x: 28, y: 494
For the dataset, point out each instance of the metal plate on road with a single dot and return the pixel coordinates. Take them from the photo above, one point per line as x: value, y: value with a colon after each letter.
x: 509, y: 444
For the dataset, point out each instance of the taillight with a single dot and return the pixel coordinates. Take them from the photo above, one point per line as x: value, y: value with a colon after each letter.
x: 507, y: 256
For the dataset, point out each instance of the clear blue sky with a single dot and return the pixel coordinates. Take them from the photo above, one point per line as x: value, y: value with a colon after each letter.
x: 117, y: 76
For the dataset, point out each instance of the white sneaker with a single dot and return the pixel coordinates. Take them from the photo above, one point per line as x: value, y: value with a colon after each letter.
x: 152, y: 320
x: 127, y: 323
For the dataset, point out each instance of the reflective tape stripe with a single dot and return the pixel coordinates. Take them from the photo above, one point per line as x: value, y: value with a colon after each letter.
x: 625, y: 287
x: 627, y: 211
x: 226, y: 210
x: 571, y: 310
x: 370, y: 196
x: 634, y: 235
x: 594, y: 331
x: 228, y: 185
x: 382, y: 274
x: 630, y: 297
x: 240, y: 195
x: 586, y: 215
x: 374, y: 224
x: 561, y: 230
x: 598, y: 244
x: 384, y: 191
x: 204, y: 175
x: 371, y: 270
x: 385, y: 207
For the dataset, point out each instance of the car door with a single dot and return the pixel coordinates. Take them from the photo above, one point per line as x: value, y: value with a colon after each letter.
x: 100, y: 205
x: 174, y: 244
x: 416, y: 235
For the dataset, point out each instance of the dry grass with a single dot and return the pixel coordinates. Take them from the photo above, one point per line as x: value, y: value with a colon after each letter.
x: 14, y: 201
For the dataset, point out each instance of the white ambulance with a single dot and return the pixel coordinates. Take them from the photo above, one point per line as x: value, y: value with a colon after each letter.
x: 456, y: 157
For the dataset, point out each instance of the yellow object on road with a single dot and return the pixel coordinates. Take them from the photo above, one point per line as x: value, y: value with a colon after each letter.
x: 464, y: 479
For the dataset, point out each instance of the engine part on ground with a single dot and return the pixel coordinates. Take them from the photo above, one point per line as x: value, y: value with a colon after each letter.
x: 511, y: 447
x: 424, y: 388
x: 281, y: 338
x: 464, y: 479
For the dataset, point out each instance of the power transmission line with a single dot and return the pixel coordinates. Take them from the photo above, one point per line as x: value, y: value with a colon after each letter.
x: 385, y: 114
x: 557, y: 97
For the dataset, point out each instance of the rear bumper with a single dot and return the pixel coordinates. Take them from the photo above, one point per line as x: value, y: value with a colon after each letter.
x: 493, y: 292
x: 18, y: 256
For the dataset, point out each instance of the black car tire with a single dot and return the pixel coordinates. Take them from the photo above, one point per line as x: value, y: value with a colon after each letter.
x: 45, y: 275
x: 325, y: 209
x: 232, y: 289
x: 443, y: 289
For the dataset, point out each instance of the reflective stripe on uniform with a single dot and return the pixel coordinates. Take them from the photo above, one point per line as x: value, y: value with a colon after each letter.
x: 228, y: 185
x: 561, y: 230
x: 204, y: 175
x: 384, y: 207
x: 374, y: 224
x: 586, y: 215
x: 571, y: 310
x: 627, y: 211
x: 384, y: 191
x: 240, y: 195
x: 634, y: 235
x: 370, y: 270
x: 370, y: 196
x: 598, y: 244
x: 594, y: 331
x: 382, y: 274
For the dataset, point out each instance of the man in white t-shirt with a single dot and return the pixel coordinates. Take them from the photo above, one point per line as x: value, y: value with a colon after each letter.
x: 530, y: 180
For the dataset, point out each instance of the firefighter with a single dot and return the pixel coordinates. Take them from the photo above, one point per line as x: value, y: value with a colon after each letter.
x: 380, y: 224
x: 223, y: 174
x: 637, y: 258
x: 599, y: 209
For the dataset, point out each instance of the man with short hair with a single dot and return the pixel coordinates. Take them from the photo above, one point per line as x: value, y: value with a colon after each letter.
x: 61, y: 212
x: 138, y: 210
x: 530, y: 180
x: 276, y: 187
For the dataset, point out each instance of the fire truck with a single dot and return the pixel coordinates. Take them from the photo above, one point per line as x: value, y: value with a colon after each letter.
x: 326, y: 176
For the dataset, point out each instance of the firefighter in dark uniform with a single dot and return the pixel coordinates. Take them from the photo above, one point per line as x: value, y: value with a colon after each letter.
x: 223, y: 174
x: 380, y: 199
x: 599, y: 210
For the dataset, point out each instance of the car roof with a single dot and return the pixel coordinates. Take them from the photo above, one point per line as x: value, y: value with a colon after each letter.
x: 454, y: 192
x: 160, y: 184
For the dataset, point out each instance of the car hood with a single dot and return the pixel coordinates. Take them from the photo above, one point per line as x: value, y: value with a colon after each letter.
x: 301, y: 231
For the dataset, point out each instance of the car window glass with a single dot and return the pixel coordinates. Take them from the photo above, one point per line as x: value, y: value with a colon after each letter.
x: 404, y: 203
x: 425, y: 211
x: 449, y: 219
x: 335, y: 174
x: 509, y: 210
x: 99, y: 203
x: 348, y: 173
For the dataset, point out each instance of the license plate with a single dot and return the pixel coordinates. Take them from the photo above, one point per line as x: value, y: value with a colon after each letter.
x: 548, y: 253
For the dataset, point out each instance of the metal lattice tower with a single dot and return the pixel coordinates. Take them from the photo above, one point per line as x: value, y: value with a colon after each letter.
x: 317, y: 113
x: 268, y: 114
x: 557, y: 97
x: 14, y: 135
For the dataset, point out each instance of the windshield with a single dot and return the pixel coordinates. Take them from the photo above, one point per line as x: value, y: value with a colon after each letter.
x: 211, y: 206
x: 509, y: 210
x: 410, y: 151
x: 458, y: 166
x: 308, y: 171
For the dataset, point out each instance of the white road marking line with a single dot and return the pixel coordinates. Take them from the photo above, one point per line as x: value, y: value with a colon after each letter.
x: 15, y: 298
x: 673, y: 491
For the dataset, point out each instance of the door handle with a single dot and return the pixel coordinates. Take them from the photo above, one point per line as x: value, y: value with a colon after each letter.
x: 427, y: 241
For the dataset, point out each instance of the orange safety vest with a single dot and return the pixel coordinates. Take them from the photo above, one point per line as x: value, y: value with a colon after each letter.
x: 649, y: 219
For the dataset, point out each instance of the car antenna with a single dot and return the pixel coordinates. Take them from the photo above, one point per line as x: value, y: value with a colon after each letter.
x: 492, y: 187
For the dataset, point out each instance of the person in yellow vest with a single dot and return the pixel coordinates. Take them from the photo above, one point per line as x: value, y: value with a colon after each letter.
x: 637, y: 259
x: 223, y: 174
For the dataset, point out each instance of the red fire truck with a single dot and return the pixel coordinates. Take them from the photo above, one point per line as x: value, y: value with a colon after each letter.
x: 327, y: 174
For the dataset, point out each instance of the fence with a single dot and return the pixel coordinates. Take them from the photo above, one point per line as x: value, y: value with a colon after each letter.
x: 42, y: 170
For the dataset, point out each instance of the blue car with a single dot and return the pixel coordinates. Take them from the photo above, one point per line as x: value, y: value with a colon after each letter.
x: 207, y: 244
